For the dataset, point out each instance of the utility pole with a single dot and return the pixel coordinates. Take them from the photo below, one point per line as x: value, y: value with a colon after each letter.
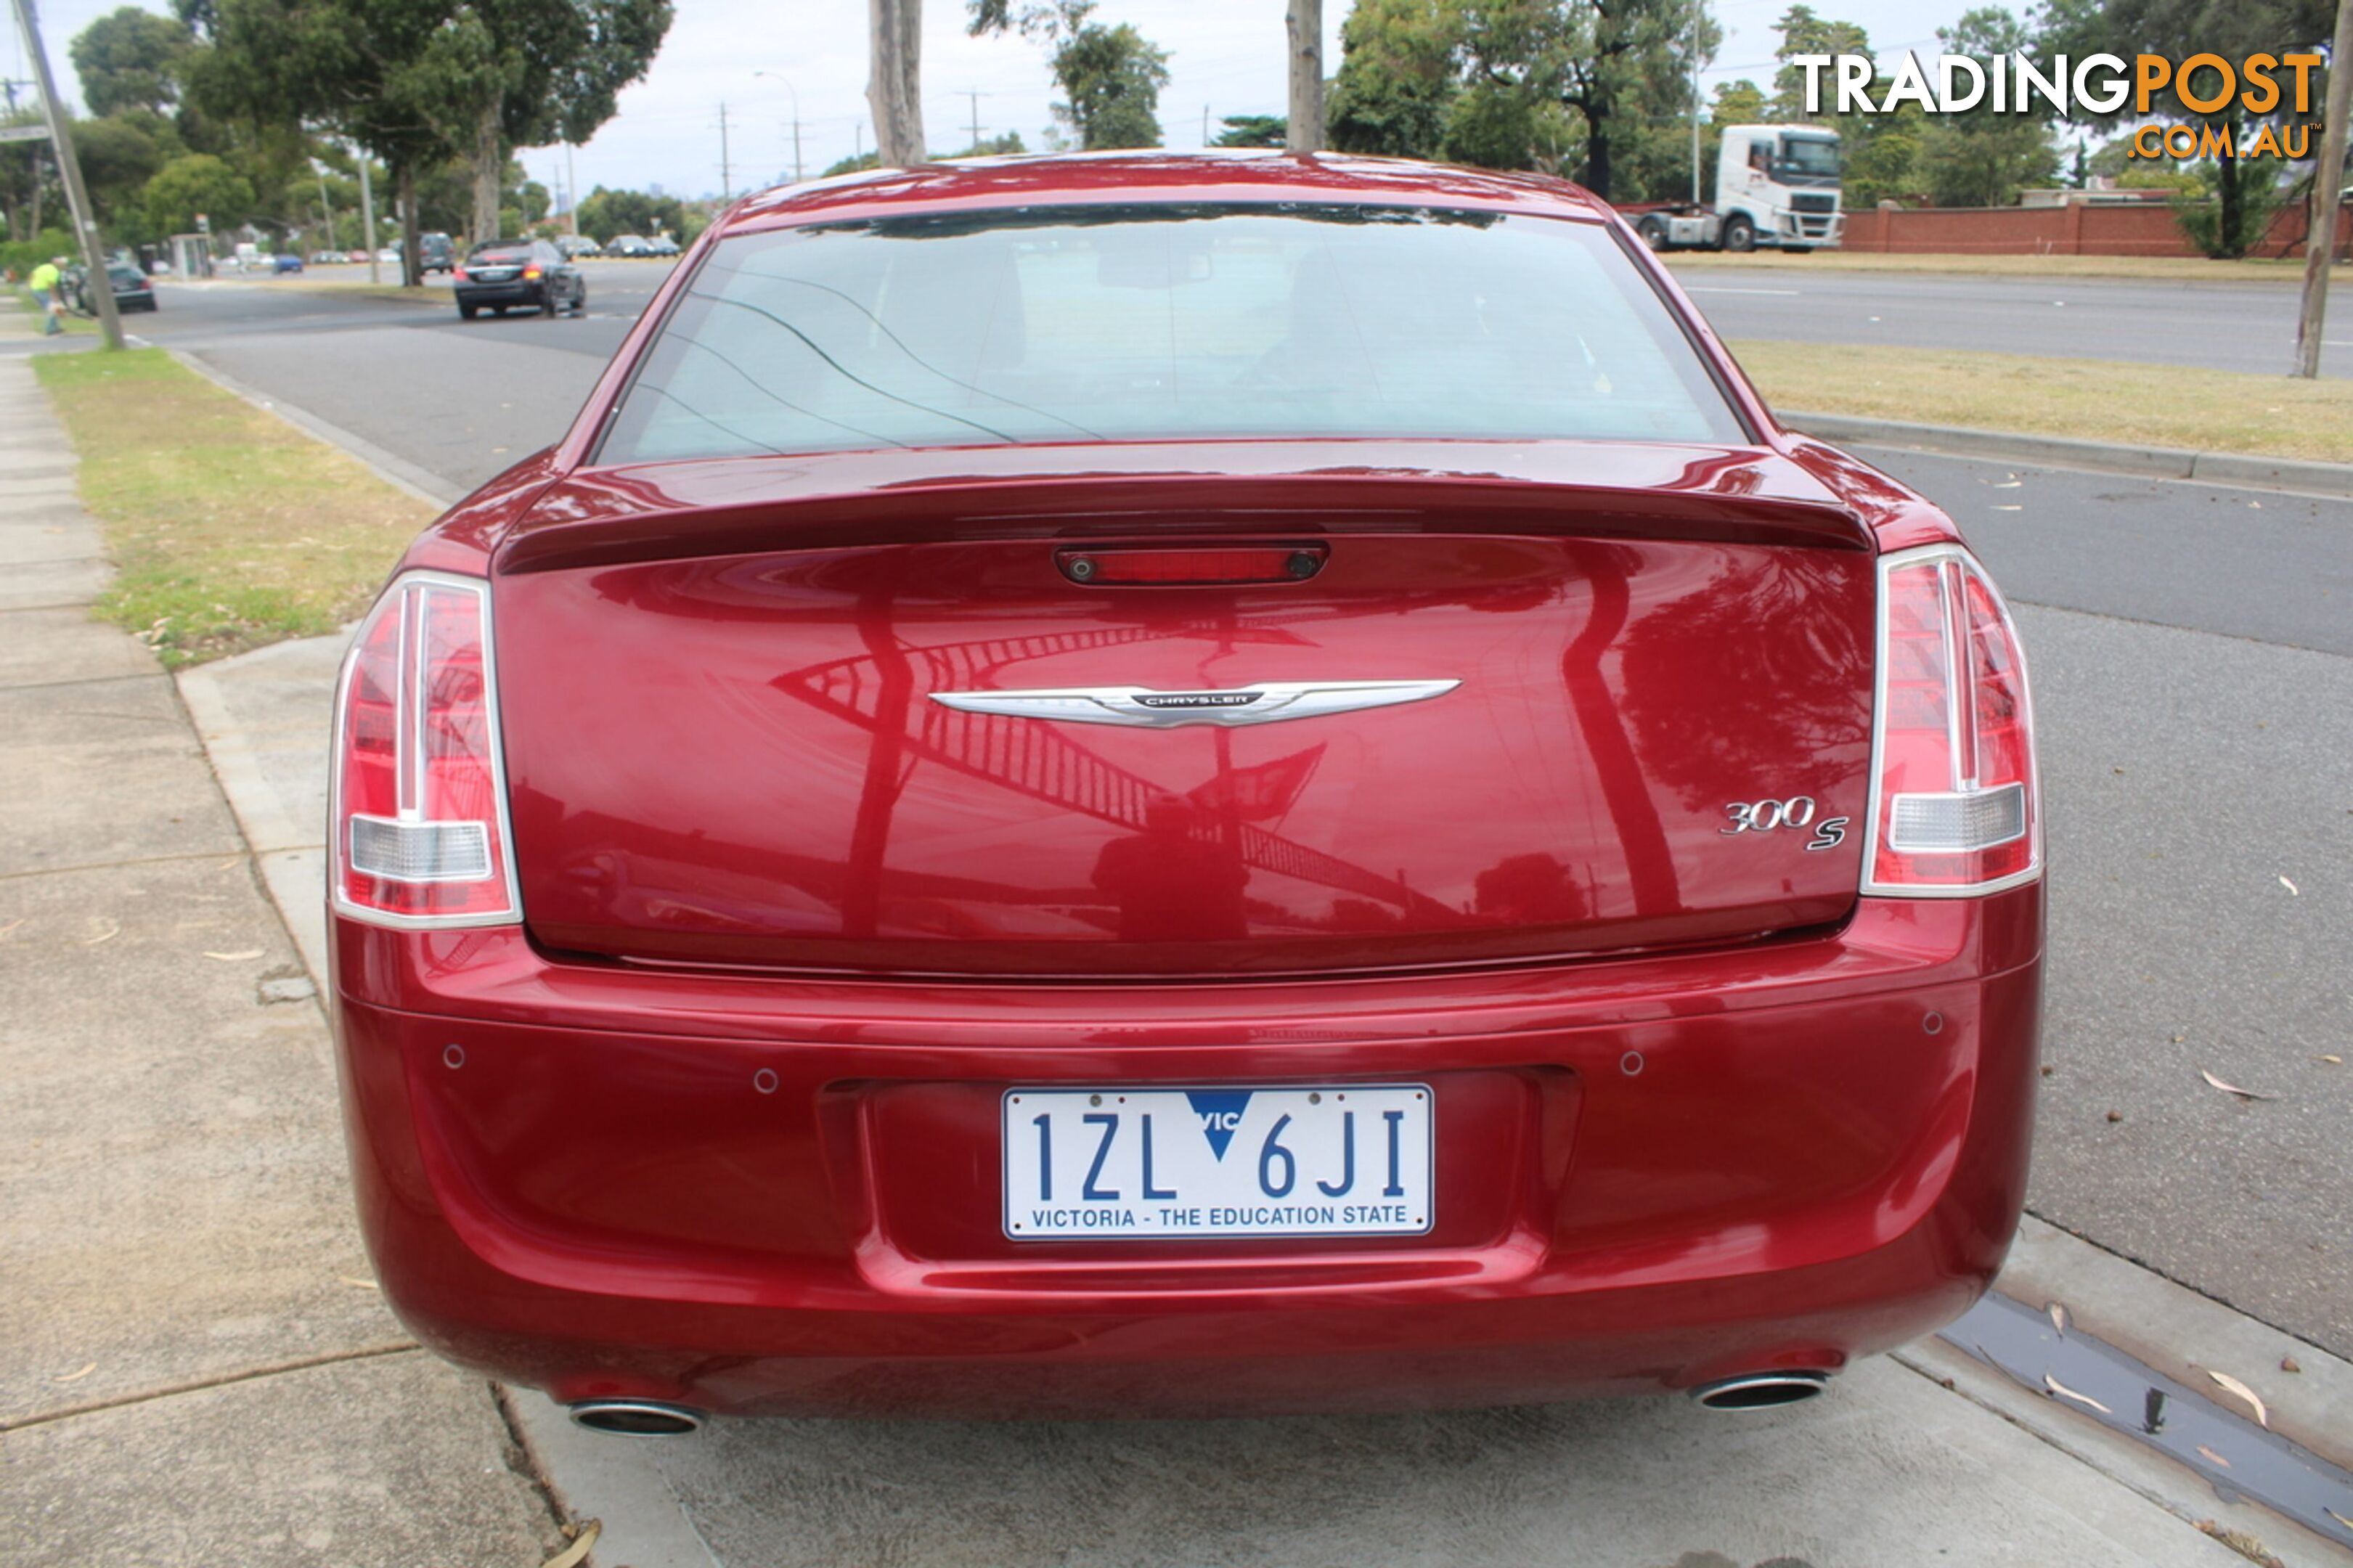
x: 974, y: 98
x: 726, y: 170
x: 367, y: 214
x: 1699, y: 18
x: 572, y: 185
x: 2328, y: 187
x: 1205, y: 125
x: 102, y: 283
x: 1304, y: 132
x: 797, y: 176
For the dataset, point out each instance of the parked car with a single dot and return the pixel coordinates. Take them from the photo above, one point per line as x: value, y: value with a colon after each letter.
x: 436, y: 253
x: 630, y: 245
x: 327, y: 259
x: 519, y: 273
x: 575, y: 246
x: 1155, y: 784
x: 389, y: 253
x: 285, y: 261
x: 134, y: 290
x: 661, y: 244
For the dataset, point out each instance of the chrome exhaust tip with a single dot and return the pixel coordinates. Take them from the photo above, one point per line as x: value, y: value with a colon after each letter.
x: 636, y: 1417
x: 1761, y: 1390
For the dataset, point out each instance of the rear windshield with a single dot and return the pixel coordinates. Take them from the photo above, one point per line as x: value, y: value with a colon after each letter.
x: 502, y: 253
x: 1164, y: 322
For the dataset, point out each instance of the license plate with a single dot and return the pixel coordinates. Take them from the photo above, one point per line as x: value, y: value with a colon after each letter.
x: 1168, y: 1163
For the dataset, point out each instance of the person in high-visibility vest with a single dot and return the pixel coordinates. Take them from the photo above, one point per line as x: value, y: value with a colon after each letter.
x: 46, y: 286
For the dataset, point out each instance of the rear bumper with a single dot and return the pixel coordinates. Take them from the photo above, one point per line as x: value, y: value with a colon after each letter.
x: 773, y: 1196
x: 534, y: 294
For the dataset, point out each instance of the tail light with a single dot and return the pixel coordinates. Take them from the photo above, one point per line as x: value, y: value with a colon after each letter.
x: 420, y: 808
x: 1954, y: 804
x: 457, y: 274
x: 531, y: 271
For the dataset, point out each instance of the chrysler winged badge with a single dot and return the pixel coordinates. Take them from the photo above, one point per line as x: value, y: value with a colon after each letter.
x: 1267, y: 703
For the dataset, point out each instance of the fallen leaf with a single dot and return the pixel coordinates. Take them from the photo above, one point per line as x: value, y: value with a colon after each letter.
x: 2288, y: 1364
x: 2232, y: 1088
x: 2245, y: 1545
x: 2332, y: 1061
x: 11, y: 925
x: 577, y: 1551
x: 2064, y: 1392
x: 114, y: 929
x: 2339, y: 1518
x: 2058, y: 1317
x: 77, y: 1376
x: 2213, y: 1455
x: 2289, y: 886
x: 238, y: 957
x: 2232, y: 1384
x: 2007, y: 484
x: 2116, y: 1116
x: 363, y: 1284
x: 2009, y: 508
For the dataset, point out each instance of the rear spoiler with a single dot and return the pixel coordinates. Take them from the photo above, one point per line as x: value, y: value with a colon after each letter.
x: 744, y: 506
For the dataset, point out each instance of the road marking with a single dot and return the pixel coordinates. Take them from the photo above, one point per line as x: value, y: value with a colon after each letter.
x: 1713, y: 288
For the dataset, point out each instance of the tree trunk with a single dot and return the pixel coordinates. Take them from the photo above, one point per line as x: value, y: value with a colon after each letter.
x: 489, y: 165
x: 894, y: 88
x: 2231, y: 193
x: 412, y: 273
x: 1596, y: 157
x: 1304, y: 132
x: 2327, y: 177
x: 33, y: 229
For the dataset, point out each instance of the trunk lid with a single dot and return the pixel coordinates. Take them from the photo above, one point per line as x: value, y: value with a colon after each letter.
x: 721, y: 684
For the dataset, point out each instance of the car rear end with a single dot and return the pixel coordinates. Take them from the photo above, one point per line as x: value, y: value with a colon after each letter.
x: 1220, y: 836
x: 502, y: 277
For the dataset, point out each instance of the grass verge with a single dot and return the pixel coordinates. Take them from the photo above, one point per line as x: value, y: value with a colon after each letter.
x: 231, y: 528
x: 2148, y: 268
x: 2089, y: 400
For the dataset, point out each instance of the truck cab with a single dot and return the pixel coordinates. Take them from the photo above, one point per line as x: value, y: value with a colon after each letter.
x: 1778, y: 184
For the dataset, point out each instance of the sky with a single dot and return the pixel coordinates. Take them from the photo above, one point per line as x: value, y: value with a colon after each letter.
x: 1225, y: 56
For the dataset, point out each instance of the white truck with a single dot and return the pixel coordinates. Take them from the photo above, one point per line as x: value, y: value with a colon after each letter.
x: 1775, y: 186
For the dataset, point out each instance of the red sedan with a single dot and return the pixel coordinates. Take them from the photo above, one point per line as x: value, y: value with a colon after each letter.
x: 1165, y: 785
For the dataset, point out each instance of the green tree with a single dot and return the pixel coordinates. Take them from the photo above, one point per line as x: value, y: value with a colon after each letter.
x: 603, y: 213
x: 130, y: 58
x: 1111, y: 78
x: 117, y: 159
x: 1983, y: 157
x: 1399, y: 73
x: 1805, y: 33
x: 1521, y: 83
x: 2243, y: 192
x: 197, y: 184
x: 1253, y: 131
x: 857, y: 164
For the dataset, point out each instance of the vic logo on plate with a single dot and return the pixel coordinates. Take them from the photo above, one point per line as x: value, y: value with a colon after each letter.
x: 1220, y: 1112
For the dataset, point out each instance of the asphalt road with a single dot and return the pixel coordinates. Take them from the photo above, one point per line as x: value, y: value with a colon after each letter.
x: 2220, y: 326
x: 2192, y: 653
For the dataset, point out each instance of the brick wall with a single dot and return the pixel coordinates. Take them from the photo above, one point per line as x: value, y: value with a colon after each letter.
x: 2141, y: 229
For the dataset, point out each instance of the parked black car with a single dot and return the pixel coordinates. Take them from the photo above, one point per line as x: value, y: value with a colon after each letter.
x: 436, y: 253
x: 504, y: 275
x: 132, y: 290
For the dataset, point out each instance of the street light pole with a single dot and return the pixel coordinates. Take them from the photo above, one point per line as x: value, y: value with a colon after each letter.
x: 2328, y: 184
x: 102, y: 283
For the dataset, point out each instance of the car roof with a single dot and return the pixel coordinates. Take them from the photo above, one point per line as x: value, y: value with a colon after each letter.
x: 1078, y: 179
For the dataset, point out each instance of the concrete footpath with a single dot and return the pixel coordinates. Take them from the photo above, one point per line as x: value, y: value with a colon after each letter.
x: 195, y: 1365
